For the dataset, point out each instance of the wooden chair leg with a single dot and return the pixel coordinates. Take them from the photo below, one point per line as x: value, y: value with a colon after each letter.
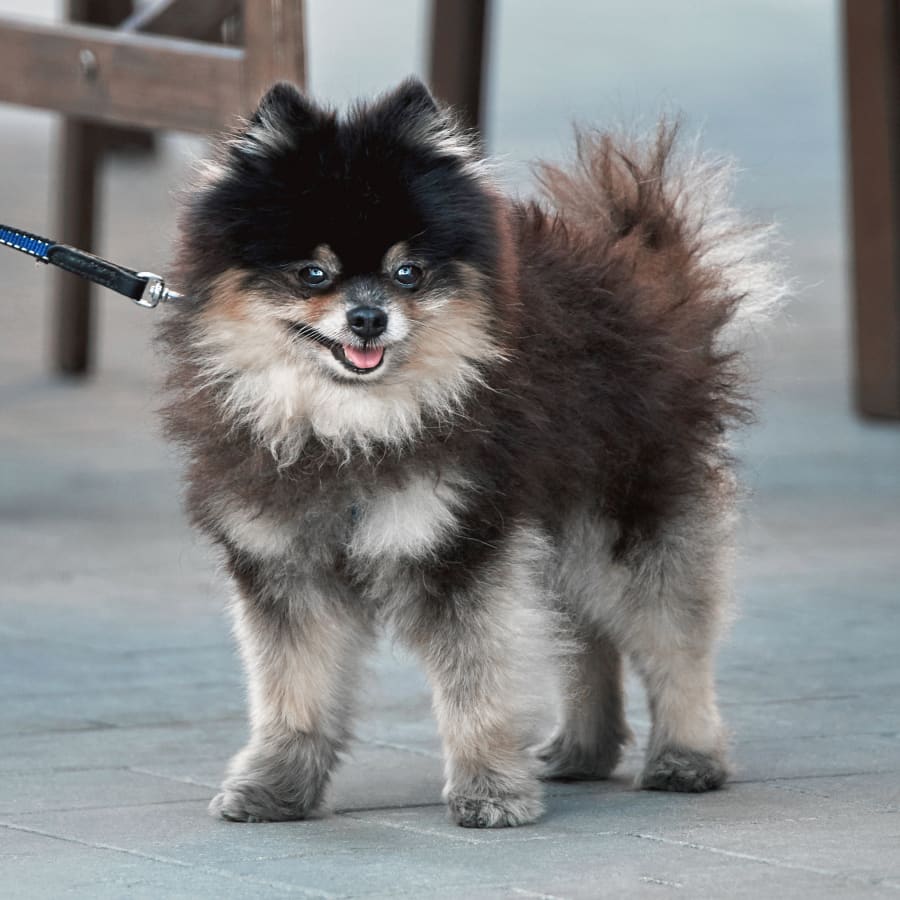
x: 274, y: 46
x: 458, y: 50
x: 81, y: 146
x: 872, y: 52
x: 79, y: 151
x: 75, y: 225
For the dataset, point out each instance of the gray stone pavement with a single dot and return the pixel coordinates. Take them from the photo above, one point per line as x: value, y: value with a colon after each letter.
x: 122, y: 697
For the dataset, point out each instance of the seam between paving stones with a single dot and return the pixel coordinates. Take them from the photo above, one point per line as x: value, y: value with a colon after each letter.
x: 138, y: 685
x: 466, y: 836
x: 61, y: 770
x: 417, y: 892
x: 227, y: 648
x: 179, y: 863
x: 485, y: 885
x: 353, y: 810
x: 88, y: 725
x: 98, y: 725
x: 770, y: 861
x: 879, y: 733
x: 660, y: 881
x: 76, y: 809
x: 401, y: 826
x: 65, y: 770
x: 537, y: 895
x: 602, y: 786
x: 789, y: 778
x: 416, y: 751
x: 866, y: 805
x: 179, y: 779
x: 789, y: 701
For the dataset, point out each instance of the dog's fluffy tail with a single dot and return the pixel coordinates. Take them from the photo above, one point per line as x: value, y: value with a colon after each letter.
x: 666, y: 214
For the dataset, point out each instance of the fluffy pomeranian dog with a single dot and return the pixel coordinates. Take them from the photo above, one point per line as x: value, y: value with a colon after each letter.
x: 497, y: 427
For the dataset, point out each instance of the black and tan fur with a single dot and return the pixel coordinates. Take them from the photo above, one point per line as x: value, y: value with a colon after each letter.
x: 534, y: 483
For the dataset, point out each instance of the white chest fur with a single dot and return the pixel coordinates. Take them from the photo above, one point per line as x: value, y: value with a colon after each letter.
x: 410, y: 520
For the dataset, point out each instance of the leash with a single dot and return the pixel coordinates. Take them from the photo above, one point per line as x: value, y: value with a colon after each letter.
x: 144, y: 288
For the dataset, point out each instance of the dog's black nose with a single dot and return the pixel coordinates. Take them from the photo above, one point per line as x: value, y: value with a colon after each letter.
x: 367, y: 321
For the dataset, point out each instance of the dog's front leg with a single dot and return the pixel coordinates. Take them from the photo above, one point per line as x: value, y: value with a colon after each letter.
x: 302, y: 649
x: 490, y: 655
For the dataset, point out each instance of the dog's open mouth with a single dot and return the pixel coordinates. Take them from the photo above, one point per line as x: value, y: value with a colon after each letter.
x: 360, y: 360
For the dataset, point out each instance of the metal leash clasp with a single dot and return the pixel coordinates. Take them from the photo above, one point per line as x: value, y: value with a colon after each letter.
x: 155, y: 291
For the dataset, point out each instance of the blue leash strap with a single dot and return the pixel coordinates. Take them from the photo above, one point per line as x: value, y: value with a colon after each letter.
x: 144, y: 288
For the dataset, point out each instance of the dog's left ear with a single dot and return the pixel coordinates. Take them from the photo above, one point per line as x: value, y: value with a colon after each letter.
x: 411, y: 108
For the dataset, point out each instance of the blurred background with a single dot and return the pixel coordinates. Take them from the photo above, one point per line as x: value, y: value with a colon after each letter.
x: 115, y: 656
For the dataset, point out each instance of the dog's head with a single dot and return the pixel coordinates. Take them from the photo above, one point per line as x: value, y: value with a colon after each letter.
x: 361, y: 252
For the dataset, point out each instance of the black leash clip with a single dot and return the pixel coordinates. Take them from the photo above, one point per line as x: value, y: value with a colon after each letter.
x: 146, y: 289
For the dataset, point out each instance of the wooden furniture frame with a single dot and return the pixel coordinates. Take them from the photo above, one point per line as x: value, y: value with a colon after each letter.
x: 872, y: 64
x: 99, y: 76
x: 459, y: 55
x: 158, y: 68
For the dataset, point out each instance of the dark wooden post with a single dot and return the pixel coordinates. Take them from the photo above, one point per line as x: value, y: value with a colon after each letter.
x: 458, y: 51
x: 79, y: 154
x: 274, y: 47
x: 872, y: 60
x: 72, y: 314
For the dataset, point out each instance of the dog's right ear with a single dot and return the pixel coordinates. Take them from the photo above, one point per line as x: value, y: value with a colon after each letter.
x: 282, y: 119
x: 284, y: 108
x: 412, y: 99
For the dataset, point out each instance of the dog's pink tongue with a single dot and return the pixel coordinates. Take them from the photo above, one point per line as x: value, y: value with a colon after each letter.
x: 364, y: 359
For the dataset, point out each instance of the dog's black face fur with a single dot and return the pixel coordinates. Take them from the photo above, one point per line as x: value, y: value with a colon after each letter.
x: 409, y: 399
x: 302, y: 177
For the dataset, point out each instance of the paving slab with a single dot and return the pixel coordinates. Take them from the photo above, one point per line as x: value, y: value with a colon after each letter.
x: 109, y: 872
x: 95, y: 788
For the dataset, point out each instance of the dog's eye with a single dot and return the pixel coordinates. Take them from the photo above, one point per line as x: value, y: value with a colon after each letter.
x: 408, y: 275
x: 313, y: 276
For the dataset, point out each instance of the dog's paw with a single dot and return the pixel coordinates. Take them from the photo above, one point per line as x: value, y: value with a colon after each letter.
x: 687, y: 771
x: 285, y: 782
x: 563, y: 760
x: 250, y: 802
x: 494, y: 812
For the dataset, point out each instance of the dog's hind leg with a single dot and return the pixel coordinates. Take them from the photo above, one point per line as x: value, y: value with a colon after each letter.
x: 676, y: 603
x: 687, y: 746
x: 589, y: 742
x: 592, y: 731
x: 302, y: 650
